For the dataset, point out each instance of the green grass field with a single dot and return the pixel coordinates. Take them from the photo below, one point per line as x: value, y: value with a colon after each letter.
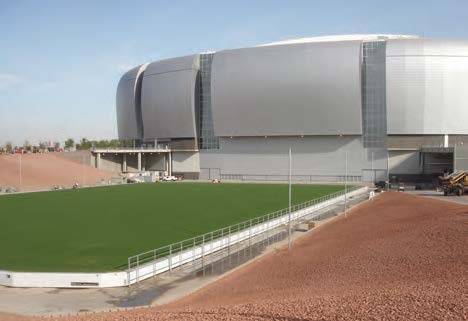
x: 96, y: 229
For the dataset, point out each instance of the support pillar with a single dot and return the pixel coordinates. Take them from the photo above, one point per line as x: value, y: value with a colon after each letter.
x: 170, y: 163
x: 124, y: 162
x: 98, y: 160
x: 139, y: 162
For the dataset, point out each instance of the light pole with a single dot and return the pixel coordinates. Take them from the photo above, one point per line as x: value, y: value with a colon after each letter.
x: 21, y: 171
x: 289, y: 211
x: 346, y: 184
x: 84, y: 171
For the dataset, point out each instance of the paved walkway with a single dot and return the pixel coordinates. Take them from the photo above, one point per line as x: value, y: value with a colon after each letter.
x: 440, y: 196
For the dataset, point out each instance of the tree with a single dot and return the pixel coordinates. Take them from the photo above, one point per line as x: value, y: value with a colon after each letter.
x: 27, y: 146
x: 69, y: 143
x: 84, y: 144
x: 57, y: 145
x: 8, y: 147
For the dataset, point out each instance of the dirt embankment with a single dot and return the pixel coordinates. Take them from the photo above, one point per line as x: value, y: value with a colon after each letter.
x: 42, y: 171
x: 400, y: 257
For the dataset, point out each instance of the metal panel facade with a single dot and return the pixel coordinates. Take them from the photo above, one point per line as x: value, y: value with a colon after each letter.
x: 267, y: 158
x: 127, y: 101
x: 168, y: 98
x: 427, y: 87
x: 297, y: 89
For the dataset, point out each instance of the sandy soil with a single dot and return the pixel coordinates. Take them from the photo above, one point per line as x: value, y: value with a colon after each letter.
x: 42, y: 171
x: 399, y: 257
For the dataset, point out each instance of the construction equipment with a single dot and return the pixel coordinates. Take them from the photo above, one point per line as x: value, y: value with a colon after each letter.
x: 455, y: 183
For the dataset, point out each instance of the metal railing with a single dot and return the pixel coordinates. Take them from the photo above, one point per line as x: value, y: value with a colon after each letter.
x: 295, y: 178
x: 169, y: 257
x: 132, y: 148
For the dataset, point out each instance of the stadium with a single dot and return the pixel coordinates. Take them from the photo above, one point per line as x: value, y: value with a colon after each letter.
x: 394, y: 104
x: 331, y: 115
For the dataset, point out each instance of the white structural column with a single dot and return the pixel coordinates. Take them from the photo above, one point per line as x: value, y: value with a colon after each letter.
x: 139, y: 162
x: 98, y: 160
x: 124, y: 163
x: 169, y: 165
x: 446, y: 140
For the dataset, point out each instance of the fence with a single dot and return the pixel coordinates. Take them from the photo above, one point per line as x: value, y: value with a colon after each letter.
x: 295, y: 178
x: 192, y: 252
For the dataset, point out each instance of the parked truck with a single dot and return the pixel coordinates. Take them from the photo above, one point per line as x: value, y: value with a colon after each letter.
x: 455, y: 183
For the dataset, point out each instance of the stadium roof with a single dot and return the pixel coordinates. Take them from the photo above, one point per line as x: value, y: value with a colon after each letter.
x: 362, y: 37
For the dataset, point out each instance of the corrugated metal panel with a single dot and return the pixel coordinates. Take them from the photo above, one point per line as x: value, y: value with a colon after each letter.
x: 173, y: 64
x: 426, y: 47
x: 129, y: 124
x: 168, y: 98
x: 426, y: 87
x: 298, y: 89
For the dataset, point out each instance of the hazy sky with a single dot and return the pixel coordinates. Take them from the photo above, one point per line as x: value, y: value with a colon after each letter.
x: 60, y: 61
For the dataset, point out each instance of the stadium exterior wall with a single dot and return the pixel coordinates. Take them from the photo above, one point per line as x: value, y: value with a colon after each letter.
x: 128, y: 104
x: 299, y: 89
x: 168, y: 98
x: 426, y: 87
x: 243, y: 108
x: 312, y: 156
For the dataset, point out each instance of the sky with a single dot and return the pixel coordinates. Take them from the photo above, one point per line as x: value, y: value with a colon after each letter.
x: 60, y: 61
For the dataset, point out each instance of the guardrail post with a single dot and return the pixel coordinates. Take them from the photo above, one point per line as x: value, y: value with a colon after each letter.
x: 221, y: 250
x: 268, y: 229
x: 180, y: 255
x: 250, y: 238
x: 229, y: 245
x: 194, y: 267
x: 138, y: 269
x: 170, y: 259
x: 128, y: 272
x: 154, y: 262
x: 203, y: 254
x: 211, y: 251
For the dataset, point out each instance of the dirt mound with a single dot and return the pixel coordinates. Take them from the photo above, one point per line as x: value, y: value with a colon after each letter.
x: 42, y: 171
x: 398, y: 257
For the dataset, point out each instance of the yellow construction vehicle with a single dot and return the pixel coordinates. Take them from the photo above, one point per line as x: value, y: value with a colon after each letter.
x: 455, y: 183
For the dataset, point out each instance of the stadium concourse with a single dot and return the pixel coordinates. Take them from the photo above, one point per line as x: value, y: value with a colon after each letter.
x: 398, y: 256
x: 43, y: 171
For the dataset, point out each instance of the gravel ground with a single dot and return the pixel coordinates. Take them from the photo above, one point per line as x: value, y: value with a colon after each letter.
x: 398, y: 257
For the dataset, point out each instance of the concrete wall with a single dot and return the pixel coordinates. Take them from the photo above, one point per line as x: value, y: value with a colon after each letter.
x: 405, y: 162
x: 79, y: 156
x: 185, y: 162
x: 110, y: 162
x: 461, y: 158
x: 154, y: 162
x: 312, y: 155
